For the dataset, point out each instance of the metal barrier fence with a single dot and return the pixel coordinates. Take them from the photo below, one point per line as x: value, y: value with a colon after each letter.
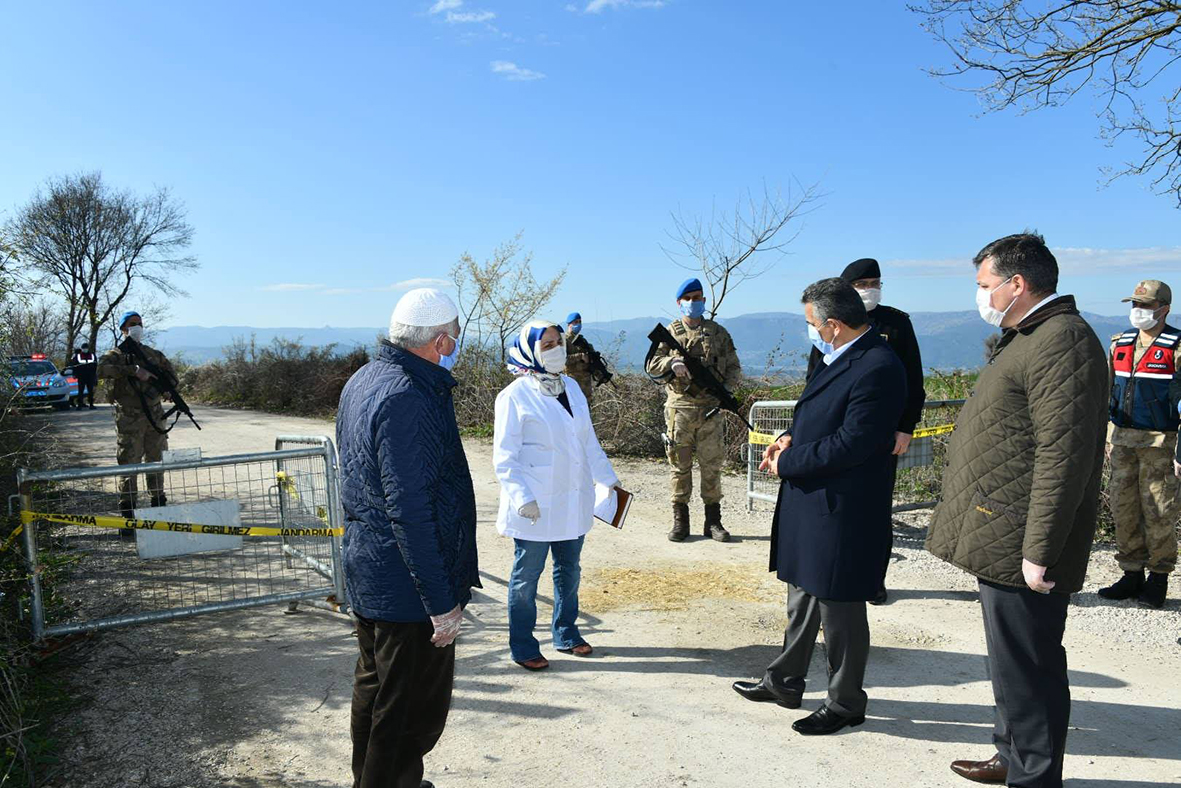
x: 919, y: 470
x: 229, y: 533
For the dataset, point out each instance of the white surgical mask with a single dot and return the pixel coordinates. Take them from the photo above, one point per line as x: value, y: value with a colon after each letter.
x: 136, y: 333
x: 871, y: 298
x: 554, y: 359
x: 988, y: 313
x: 1143, y: 319
x: 818, y: 342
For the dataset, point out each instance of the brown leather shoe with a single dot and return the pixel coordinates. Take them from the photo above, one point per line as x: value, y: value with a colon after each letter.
x: 537, y: 663
x: 992, y: 771
x: 581, y: 650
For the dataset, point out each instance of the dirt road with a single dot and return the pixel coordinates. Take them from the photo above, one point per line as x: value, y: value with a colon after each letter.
x: 260, y: 699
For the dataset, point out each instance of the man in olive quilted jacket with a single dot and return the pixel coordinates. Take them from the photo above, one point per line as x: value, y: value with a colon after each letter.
x: 1020, y: 498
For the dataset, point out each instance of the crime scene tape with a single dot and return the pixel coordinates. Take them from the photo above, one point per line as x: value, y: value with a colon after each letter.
x: 12, y: 537
x: 105, y: 521
x: 766, y: 439
x: 927, y: 432
x: 287, y: 485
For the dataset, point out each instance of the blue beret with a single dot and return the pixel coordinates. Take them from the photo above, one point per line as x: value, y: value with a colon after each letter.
x: 127, y: 316
x: 688, y: 286
x: 570, y: 318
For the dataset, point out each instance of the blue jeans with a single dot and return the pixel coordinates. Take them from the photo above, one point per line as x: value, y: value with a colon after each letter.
x: 528, y: 562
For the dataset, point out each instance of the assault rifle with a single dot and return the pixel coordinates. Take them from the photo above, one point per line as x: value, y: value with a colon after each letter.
x: 702, y: 376
x: 598, y: 368
x: 161, y: 384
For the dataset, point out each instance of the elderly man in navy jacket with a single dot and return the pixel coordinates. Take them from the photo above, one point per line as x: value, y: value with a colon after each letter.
x: 831, y: 533
x: 409, y: 541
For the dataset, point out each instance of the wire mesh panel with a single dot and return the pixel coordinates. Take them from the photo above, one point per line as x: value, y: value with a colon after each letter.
x: 198, y: 536
x: 919, y: 470
x: 769, y: 419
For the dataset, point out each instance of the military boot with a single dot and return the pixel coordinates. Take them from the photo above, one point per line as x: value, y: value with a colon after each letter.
x: 1154, y: 590
x: 680, y: 523
x: 1126, y: 587
x: 713, y: 523
x: 159, y: 499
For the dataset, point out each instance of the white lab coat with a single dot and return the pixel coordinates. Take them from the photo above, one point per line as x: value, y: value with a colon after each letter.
x: 541, y: 454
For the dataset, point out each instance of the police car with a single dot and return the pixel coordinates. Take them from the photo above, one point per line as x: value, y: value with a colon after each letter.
x: 39, y: 383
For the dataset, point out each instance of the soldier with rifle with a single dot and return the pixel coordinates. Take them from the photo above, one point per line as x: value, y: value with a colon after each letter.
x: 142, y: 378
x: 694, y: 358
x: 583, y: 362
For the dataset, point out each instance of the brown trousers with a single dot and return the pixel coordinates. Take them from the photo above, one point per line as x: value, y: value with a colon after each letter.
x: 401, y: 696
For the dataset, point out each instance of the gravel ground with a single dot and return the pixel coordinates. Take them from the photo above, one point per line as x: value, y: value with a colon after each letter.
x: 259, y: 699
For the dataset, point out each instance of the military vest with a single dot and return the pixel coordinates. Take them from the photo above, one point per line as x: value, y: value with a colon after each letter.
x: 1140, y: 391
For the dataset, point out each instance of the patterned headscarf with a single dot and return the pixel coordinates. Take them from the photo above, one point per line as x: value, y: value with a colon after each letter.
x: 524, y: 357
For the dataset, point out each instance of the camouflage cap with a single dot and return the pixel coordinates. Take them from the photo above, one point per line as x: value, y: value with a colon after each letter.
x: 1151, y: 290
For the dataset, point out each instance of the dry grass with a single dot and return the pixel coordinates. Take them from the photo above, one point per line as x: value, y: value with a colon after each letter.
x: 673, y: 588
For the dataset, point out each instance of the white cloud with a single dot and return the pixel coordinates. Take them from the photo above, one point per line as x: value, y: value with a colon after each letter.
x: 410, y: 284
x: 1072, y: 261
x: 445, y: 5
x: 469, y: 17
x: 514, y: 73
x: 290, y: 287
x: 598, y: 6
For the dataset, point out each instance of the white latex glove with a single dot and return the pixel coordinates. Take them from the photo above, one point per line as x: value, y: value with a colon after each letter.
x: 446, y: 627
x: 679, y: 369
x: 1035, y: 577
x: 530, y: 511
x: 901, y: 443
x: 1177, y: 469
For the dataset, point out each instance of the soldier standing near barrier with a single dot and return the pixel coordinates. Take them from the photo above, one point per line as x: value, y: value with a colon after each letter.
x: 690, y: 431
x: 139, y: 414
x: 1141, y: 439
x: 579, y: 353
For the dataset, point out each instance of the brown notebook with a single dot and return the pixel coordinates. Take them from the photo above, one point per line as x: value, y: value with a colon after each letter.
x: 612, y: 505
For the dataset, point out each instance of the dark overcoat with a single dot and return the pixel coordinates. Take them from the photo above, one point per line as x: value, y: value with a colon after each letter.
x: 831, y: 533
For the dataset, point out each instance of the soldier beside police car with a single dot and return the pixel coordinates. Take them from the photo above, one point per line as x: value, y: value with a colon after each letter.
x: 694, y: 425
x: 1141, y: 441
x: 139, y: 414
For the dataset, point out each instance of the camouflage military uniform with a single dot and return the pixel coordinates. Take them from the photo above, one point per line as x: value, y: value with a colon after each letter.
x: 1145, y: 494
x: 138, y: 440
x: 689, y: 431
x: 578, y: 363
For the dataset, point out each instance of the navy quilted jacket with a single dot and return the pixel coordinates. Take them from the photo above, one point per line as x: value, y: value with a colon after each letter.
x: 409, y: 505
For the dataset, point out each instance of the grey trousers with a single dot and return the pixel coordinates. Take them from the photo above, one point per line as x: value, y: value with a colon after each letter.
x: 1027, y: 664
x: 846, y: 640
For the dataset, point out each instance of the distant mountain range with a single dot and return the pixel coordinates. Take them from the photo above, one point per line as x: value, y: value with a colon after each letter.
x: 949, y: 340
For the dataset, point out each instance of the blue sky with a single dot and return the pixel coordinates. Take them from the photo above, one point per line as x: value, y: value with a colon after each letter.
x: 328, y: 153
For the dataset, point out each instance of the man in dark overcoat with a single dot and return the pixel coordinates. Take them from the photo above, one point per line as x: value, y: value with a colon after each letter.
x: 831, y: 530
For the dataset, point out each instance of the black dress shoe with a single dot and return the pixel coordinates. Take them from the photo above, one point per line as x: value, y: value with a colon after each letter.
x: 880, y: 598
x: 426, y: 784
x: 993, y: 771
x: 824, y: 721
x: 758, y: 692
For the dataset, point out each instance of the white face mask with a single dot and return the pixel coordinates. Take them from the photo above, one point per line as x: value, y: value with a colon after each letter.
x: 988, y: 313
x: 554, y: 359
x: 136, y: 333
x: 1143, y: 319
x: 871, y: 298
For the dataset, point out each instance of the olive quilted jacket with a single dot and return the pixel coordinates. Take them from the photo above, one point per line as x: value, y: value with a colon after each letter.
x: 1023, y: 469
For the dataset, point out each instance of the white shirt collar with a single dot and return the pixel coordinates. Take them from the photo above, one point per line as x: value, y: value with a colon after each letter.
x: 1039, y: 305
x: 833, y: 356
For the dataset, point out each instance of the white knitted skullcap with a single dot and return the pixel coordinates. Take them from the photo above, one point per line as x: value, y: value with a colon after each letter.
x: 424, y: 307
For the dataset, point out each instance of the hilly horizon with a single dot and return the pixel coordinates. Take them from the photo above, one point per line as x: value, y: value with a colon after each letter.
x: 765, y: 340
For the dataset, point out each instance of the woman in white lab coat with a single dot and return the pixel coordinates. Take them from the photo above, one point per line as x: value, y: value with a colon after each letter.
x: 548, y: 461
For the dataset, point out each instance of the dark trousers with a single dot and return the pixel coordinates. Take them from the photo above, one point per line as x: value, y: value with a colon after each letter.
x: 846, y: 641
x: 85, y: 391
x: 401, y: 696
x: 1027, y: 665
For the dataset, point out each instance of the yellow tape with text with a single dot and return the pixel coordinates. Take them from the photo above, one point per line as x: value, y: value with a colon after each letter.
x: 105, y: 521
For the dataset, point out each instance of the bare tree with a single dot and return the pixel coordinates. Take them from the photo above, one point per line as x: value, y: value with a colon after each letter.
x: 1030, y: 55
x: 500, y: 295
x: 731, y: 247
x: 93, y: 245
x: 34, y: 327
